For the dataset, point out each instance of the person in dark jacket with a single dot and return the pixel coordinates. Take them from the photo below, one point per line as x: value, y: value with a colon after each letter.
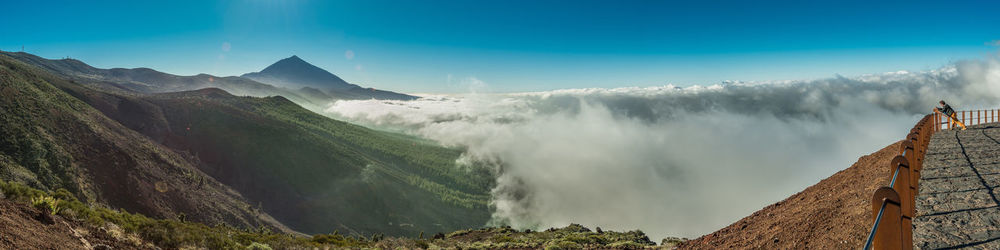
x: 950, y: 113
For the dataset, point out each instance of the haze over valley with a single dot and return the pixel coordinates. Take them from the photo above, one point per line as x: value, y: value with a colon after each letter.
x: 673, y: 161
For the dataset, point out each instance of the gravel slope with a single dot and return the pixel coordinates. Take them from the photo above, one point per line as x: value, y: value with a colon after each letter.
x: 832, y: 214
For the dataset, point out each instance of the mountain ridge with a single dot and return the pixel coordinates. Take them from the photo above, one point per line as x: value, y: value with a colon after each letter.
x: 148, y: 81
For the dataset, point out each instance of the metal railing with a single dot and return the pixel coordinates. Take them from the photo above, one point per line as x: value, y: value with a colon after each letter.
x: 893, y: 205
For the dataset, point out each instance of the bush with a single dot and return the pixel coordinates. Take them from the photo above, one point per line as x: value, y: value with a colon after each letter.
x: 47, y: 204
x: 258, y: 246
x: 563, y: 245
x: 422, y: 244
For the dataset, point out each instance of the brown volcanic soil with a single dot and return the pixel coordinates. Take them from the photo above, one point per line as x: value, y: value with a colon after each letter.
x: 833, y: 214
x: 23, y: 227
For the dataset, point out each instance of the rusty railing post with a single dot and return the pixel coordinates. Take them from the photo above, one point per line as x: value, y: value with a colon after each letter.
x: 910, y: 153
x: 906, y: 208
x: 888, y: 235
x: 901, y: 167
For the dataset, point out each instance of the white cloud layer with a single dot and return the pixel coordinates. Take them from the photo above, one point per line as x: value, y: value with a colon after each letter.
x: 674, y: 161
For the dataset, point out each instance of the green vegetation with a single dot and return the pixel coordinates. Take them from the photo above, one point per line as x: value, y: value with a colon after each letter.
x: 47, y: 203
x: 571, y: 237
x: 279, y: 117
x: 30, y: 150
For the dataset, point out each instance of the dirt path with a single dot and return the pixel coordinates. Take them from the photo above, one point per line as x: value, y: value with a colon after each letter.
x: 833, y: 214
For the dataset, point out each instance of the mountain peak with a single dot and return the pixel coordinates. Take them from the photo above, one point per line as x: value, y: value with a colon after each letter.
x: 295, y: 72
x: 293, y: 60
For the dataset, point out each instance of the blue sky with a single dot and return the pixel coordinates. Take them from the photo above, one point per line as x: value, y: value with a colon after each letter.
x: 504, y: 46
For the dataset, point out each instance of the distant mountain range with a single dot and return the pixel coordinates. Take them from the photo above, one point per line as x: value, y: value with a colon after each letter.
x: 318, y: 89
x: 173, y: 146
x: 293, y: 72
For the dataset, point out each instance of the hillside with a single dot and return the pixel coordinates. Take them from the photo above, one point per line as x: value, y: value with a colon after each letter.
x: 295, y: 73
x: 312, y: 173
x: 832, y: 214
x: 51, y: 140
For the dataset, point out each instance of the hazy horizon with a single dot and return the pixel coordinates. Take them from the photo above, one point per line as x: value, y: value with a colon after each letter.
x: 510, y: 47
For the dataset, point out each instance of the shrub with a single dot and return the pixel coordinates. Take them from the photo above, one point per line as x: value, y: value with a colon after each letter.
x: 258, y: 246
x: 422, y: 244
x: 501, y: 238
x: 46, y: 203
x: 563, y: 245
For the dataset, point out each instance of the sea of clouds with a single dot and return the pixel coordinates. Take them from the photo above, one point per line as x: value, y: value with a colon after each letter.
x: 674, y: 161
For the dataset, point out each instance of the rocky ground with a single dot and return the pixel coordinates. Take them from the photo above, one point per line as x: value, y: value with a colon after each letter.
x: 957, y: 205
x: 25, y: 227
x: 833, y: 214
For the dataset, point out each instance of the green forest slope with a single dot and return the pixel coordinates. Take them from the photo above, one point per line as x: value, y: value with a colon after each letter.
x: 310, y: 172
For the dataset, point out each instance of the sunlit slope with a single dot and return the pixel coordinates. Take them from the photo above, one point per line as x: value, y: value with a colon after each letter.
x: 51, y: 140
x: 313, y: 173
